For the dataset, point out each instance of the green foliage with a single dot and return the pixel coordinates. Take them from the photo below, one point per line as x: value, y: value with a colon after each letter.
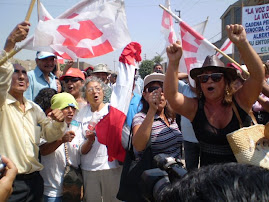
x: 157, y: 59
x: 145, y: 68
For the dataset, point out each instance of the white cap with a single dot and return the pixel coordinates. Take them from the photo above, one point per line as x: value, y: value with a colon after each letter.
x: 43, y: 54
x: 153, y: 77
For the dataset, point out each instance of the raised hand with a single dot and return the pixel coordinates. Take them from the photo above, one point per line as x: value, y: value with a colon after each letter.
x: 174, y: 52
x: 56, y: 115
x: 18, y: 34
x: 236, y: 33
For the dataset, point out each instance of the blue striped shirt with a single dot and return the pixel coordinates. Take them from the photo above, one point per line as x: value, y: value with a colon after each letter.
x: 164, y: 139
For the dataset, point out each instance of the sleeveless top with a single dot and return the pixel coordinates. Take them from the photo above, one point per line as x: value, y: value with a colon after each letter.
x: 214, y: 146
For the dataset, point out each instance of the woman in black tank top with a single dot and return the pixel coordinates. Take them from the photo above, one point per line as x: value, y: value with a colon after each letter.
x: 211, y: 113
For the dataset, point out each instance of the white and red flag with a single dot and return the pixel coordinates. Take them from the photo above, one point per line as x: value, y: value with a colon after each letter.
x: 109, y: 129
x: 227, y: 47
x: 195, y: 48
x: 43, y: 14
x: 87, y: 30
x: 167, y: 26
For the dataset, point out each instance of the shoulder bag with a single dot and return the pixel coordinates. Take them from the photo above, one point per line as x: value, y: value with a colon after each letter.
x: 250, y: 144
x: 131, y: 173
x: 72, y: 182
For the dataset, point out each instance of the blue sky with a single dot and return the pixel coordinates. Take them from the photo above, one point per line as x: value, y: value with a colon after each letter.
x: 143, y: 19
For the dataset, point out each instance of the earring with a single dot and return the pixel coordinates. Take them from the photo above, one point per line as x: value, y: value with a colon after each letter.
x: 227, y: 93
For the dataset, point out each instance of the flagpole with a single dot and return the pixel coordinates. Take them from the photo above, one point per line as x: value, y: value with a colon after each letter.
x: 210, y: 44
x: 16, y: 50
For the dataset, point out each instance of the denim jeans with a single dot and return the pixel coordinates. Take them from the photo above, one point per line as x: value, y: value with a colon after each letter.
x: 192, y: 154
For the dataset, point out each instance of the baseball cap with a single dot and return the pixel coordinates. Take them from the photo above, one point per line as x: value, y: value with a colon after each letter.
x: 100, y: 68
x: 153, y: 77
x: 43, y: 54
x: 73, y: 72
x: 63, y: 100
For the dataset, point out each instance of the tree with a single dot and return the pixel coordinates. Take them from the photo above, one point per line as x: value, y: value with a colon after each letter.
x: 145, y: 68
x: 157, y: 59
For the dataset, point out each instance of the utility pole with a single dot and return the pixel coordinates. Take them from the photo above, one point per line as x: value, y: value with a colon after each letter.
x: 178, y: 11
x: 145, y: 57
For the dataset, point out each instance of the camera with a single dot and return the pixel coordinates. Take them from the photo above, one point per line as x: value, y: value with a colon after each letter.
x: 2, y: 166
x: 154, y: 180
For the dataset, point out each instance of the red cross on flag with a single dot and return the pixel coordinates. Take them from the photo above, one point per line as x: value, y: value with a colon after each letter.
x: 87, y: 30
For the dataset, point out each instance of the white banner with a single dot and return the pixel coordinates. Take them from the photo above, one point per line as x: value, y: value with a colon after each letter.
x: 255, y: 19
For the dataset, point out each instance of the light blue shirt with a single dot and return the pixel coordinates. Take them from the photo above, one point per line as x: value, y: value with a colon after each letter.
x: 134, y: 107
x: 186, y: 126
x: 139, y: 86
x: 37, y: 82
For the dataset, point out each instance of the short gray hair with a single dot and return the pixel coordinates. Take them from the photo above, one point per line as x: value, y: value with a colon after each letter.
x: 92, y: 79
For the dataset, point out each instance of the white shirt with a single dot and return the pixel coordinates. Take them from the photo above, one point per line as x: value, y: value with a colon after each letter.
x: 54, y: 166
x: 96, y: 158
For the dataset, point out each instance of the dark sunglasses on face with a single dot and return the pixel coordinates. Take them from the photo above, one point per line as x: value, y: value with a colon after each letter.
x: 73, y: 79
x: 153, y: 88
x: 216, y: 77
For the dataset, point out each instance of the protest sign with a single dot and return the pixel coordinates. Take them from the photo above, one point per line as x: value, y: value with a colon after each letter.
x: 255, y: 19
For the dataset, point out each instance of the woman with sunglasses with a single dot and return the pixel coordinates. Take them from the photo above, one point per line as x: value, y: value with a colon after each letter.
x: 156, y: 122
x: 212, y: 114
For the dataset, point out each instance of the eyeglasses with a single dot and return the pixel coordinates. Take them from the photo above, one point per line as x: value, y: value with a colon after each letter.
x: 73, y: 79
x: 153, y: 88
x: 92, y: 89
x: 216, y: 77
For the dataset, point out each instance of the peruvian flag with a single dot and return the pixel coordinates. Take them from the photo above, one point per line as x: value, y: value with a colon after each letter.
x: 167, y: 26
x: 87, y: 30
x: 227, y: 47
x: 109, y: 129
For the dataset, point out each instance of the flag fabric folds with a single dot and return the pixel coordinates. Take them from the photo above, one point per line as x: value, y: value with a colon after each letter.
x: 195, y: 48
x: 227, y: 47
x: 109, y: 129
x: 167, y: 26
x: 43, y: 14
x: 87, y: 30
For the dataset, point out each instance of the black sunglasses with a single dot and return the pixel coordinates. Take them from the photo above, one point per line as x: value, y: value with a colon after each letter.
x: 153, y: 88
x: 72, y: 79
x: 216, y: 77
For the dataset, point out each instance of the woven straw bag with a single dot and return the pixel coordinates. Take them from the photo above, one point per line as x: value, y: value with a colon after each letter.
x: 250, y: 144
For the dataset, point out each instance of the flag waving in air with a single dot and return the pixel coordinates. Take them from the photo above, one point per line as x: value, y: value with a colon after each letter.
x: 195, y: 47
x: 109, y: 129
x: 85, y: 31
x: 167, y: 26
x: 43, y: 14
x: 227, y: 47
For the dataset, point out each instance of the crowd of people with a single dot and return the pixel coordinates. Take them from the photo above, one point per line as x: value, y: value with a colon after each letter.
x: 46, y: 115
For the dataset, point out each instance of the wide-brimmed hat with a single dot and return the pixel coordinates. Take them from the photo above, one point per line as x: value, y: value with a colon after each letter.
x: 100, y: 68
x: 73, y: 72
x: 213, y: 63
x: 153, y: 77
